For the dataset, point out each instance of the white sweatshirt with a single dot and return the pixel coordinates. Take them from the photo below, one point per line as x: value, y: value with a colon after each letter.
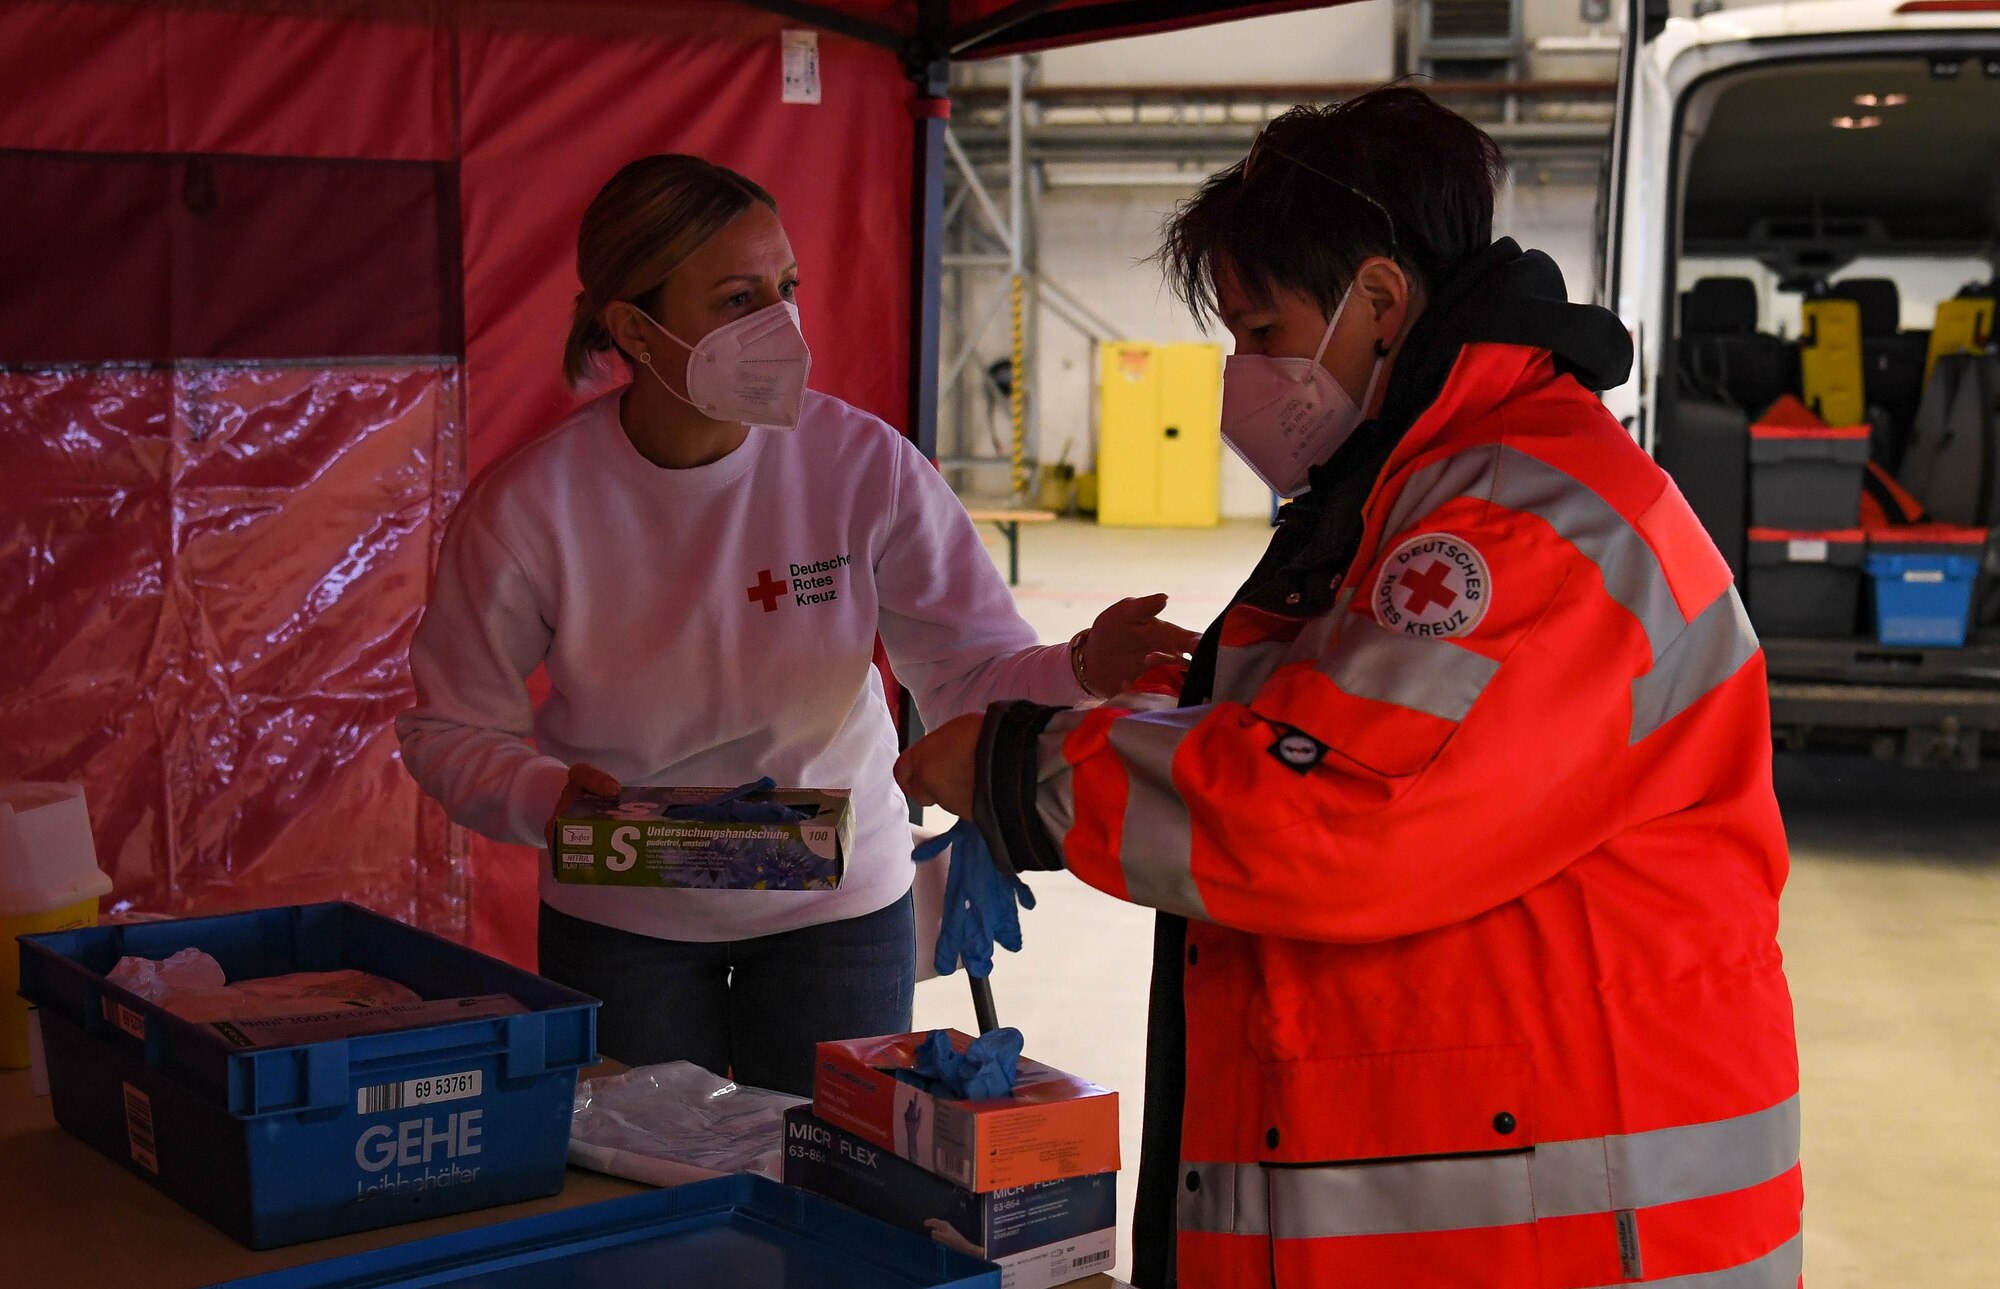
x: 706, y: 627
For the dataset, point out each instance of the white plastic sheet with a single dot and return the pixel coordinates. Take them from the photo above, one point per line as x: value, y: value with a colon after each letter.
x: 667, y: 1125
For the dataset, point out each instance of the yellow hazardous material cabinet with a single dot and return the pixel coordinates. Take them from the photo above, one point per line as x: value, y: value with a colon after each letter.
x: 1159, y: 435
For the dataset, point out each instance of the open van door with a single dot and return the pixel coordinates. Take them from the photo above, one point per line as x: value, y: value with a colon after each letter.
x: 1772, y: 161
x: 1622, y: 212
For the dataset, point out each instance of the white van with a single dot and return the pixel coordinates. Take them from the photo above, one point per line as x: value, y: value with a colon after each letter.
x: 1768, y: 155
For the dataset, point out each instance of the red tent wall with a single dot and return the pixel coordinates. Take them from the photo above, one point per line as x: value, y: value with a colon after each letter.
x: 221, y: 503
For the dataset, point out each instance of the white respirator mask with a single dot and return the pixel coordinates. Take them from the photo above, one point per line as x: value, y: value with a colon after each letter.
x: 753, y: 370
x: 1284, y: 416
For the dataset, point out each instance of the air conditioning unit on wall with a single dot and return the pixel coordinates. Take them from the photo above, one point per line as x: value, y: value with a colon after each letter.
x: 1469, y: 39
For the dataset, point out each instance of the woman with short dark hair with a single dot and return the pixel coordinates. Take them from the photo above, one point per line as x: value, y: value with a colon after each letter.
x: 1460, y: 822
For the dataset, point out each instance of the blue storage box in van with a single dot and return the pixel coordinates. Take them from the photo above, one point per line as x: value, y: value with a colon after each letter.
x: 1922, y: 599
x: 281, y: 1144
x: 742, y: 1230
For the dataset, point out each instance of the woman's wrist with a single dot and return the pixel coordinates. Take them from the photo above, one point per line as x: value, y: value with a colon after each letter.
x: 1077, y: 644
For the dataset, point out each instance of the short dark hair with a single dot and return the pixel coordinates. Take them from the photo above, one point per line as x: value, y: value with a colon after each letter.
x: 1324, y: 188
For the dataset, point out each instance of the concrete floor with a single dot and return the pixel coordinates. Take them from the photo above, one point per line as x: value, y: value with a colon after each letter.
x: 1891, y: 931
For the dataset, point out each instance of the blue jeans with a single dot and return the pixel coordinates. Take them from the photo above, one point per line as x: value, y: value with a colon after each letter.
x: 747, y: 1009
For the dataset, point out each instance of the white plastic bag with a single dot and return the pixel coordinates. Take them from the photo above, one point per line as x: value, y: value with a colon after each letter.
x: 155, y: 980
x: 667, y: 1125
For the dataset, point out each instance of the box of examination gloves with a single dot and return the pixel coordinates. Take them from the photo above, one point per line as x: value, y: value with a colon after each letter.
x: 1055, y: 1125
x: 1042, y: 1235
x: 766, y: 839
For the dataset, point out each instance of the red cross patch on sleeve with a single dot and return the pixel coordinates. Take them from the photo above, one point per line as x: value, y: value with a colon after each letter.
x: 1434, y: 585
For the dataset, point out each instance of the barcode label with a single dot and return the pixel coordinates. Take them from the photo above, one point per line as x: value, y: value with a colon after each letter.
x: 1090, y: 1259
x: 953, y: 1163
x: 125, y: 1018
x: 415, y: 1092
x: 139, y: 1129
x: 952, y: 1144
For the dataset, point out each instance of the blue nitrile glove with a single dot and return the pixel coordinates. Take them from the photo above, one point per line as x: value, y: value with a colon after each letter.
x: 731, y: 808
x: 986, y: 1071
x: 980, y: 908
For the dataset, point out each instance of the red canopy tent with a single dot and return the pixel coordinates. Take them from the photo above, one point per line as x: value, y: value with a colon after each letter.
x: 279, y: 278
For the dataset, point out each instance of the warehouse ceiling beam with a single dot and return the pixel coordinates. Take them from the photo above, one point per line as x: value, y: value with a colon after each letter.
x: 1149, y: 141
x: 991, y: 96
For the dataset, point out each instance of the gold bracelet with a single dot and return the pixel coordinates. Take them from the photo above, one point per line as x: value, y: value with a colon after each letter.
x: 1076, y: 643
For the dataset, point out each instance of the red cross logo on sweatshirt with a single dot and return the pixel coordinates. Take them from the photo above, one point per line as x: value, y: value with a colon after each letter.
x: 1429, y: 587
x: 768, y: 591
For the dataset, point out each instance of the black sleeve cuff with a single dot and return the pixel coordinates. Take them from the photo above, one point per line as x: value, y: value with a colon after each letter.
x: 1005, y: 782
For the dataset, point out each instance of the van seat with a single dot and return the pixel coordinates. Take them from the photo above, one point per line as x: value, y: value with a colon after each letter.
x: 1892, y: 360
x: 1721, y: 348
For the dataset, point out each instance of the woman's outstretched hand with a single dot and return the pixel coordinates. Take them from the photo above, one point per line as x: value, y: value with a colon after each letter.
x: 1128, y: 639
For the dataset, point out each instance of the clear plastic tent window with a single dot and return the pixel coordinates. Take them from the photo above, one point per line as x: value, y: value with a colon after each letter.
x: 223, y: 568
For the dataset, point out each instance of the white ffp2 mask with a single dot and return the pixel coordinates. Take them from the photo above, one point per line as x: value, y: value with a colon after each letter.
x: 1284, y: 416
x: 752, y: 370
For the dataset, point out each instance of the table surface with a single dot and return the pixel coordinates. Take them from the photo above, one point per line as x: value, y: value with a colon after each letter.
x: 71, y: 1217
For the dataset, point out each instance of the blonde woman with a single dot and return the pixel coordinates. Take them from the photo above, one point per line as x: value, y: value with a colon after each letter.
x: 703, y: 561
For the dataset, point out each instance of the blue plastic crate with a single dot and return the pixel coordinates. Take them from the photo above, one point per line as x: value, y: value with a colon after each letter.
x: 1922, y: 599
x: 282, y: 1144
x: 733, y: 1231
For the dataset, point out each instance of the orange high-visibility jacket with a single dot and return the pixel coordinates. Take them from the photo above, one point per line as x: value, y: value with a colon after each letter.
x: 1481, y: 869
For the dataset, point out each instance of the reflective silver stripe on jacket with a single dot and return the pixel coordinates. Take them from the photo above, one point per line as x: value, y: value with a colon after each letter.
x: 1554, y: 1179
x: 1157, y: 851
x: 1055, y: 786
x: 1690, y: 658
x: 1437, y: 677
x: 1712, y: 649
x: 1240, y: 670
x: 1778, y: 1269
